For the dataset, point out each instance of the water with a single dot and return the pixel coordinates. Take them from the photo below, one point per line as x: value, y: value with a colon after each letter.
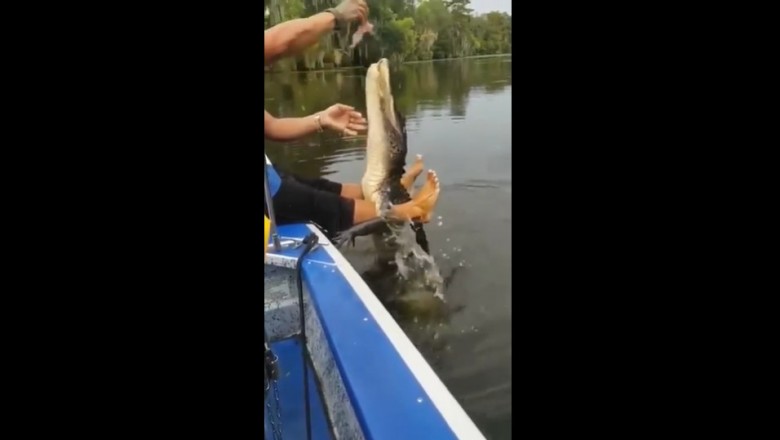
x: 459, y: 117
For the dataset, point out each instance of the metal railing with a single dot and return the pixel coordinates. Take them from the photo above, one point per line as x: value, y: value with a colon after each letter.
x: 270, y: 207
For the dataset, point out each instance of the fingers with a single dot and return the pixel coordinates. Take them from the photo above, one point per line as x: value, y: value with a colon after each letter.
x: 357, y: 127
x: 354, y: 9
x: 356, y: 117
x: 344, y: 107
x: 344, y: 119
x: 357, y: 122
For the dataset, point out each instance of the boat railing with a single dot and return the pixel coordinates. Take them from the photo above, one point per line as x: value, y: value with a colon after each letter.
x: 269, y: 206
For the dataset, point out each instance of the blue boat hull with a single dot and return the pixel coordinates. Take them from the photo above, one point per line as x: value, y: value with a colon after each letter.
x: 374, y: 383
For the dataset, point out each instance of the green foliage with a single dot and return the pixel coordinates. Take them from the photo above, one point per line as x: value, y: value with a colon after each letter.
x: 404, y: 30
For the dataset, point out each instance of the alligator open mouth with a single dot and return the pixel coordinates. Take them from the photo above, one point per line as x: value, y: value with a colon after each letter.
x: 386, y: 149
x: 378, y: 85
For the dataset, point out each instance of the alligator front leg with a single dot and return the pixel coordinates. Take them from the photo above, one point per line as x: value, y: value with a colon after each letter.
x: 366, y: 228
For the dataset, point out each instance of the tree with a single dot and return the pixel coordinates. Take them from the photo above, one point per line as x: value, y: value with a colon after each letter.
x: 404, y: 30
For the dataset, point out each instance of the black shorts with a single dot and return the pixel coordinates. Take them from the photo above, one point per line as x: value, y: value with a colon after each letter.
x: 318, y: 201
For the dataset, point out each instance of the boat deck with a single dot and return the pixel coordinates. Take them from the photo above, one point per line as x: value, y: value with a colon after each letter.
x: 293, y: 410
x: 375, y: 382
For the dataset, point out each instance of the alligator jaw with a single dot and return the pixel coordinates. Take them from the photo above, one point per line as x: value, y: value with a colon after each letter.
x: 379, y: 94
x: 386, y: 142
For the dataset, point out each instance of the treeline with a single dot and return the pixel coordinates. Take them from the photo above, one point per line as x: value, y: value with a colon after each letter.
x: 404, y: 30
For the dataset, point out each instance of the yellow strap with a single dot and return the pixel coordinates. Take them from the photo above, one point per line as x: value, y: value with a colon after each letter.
x: 267, y: 234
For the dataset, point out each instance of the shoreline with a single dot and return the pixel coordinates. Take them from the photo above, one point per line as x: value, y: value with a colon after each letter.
x: 348, y: 68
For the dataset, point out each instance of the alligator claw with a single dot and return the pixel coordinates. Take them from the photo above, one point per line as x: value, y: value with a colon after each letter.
x: 343, y: 238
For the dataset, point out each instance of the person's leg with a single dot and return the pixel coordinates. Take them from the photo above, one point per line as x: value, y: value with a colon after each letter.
x: 407, y: 180
x: 419, y: 208
x: 346, y: 190
x: 297, y: 202
x: 355, y: 190
x: 351, y: 191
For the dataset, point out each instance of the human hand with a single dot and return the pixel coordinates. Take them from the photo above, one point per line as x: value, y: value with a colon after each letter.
x: 350, y: 10
x: 343, y: 119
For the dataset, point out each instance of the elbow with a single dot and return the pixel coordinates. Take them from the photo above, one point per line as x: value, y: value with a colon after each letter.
x: 269, y: 131
x: 273, y: 52
x: 270, y: 54
x: 280, y: 39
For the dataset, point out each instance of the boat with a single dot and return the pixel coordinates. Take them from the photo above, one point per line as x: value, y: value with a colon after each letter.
x: 364, y: 379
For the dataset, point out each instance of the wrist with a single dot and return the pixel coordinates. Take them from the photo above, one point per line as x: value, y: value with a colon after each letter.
x: 318, y: 122
x: 337, y: 17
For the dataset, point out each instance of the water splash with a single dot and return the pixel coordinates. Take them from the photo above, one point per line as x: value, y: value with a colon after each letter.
x: 419, y: 270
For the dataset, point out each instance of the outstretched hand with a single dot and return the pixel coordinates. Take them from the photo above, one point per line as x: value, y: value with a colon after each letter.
x: 343, y: 119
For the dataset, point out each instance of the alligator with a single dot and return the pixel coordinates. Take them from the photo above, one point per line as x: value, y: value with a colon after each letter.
x: 385, y: 160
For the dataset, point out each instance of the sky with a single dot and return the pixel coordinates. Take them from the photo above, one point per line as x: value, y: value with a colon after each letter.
x: 484, y: 6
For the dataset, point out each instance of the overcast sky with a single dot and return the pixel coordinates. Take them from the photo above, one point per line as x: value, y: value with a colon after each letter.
x: 483, y: 6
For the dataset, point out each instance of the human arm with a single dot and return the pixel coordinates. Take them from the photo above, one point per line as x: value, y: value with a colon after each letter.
x: 338, y: 117
x: 293, y: 36
x: 288, y: 129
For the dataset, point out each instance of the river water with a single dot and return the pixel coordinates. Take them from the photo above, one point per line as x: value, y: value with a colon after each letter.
x: 459, y: 118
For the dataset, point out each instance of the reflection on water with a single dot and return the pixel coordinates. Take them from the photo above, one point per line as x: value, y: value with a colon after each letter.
x: 422, y: 91
x: 459, y: 117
